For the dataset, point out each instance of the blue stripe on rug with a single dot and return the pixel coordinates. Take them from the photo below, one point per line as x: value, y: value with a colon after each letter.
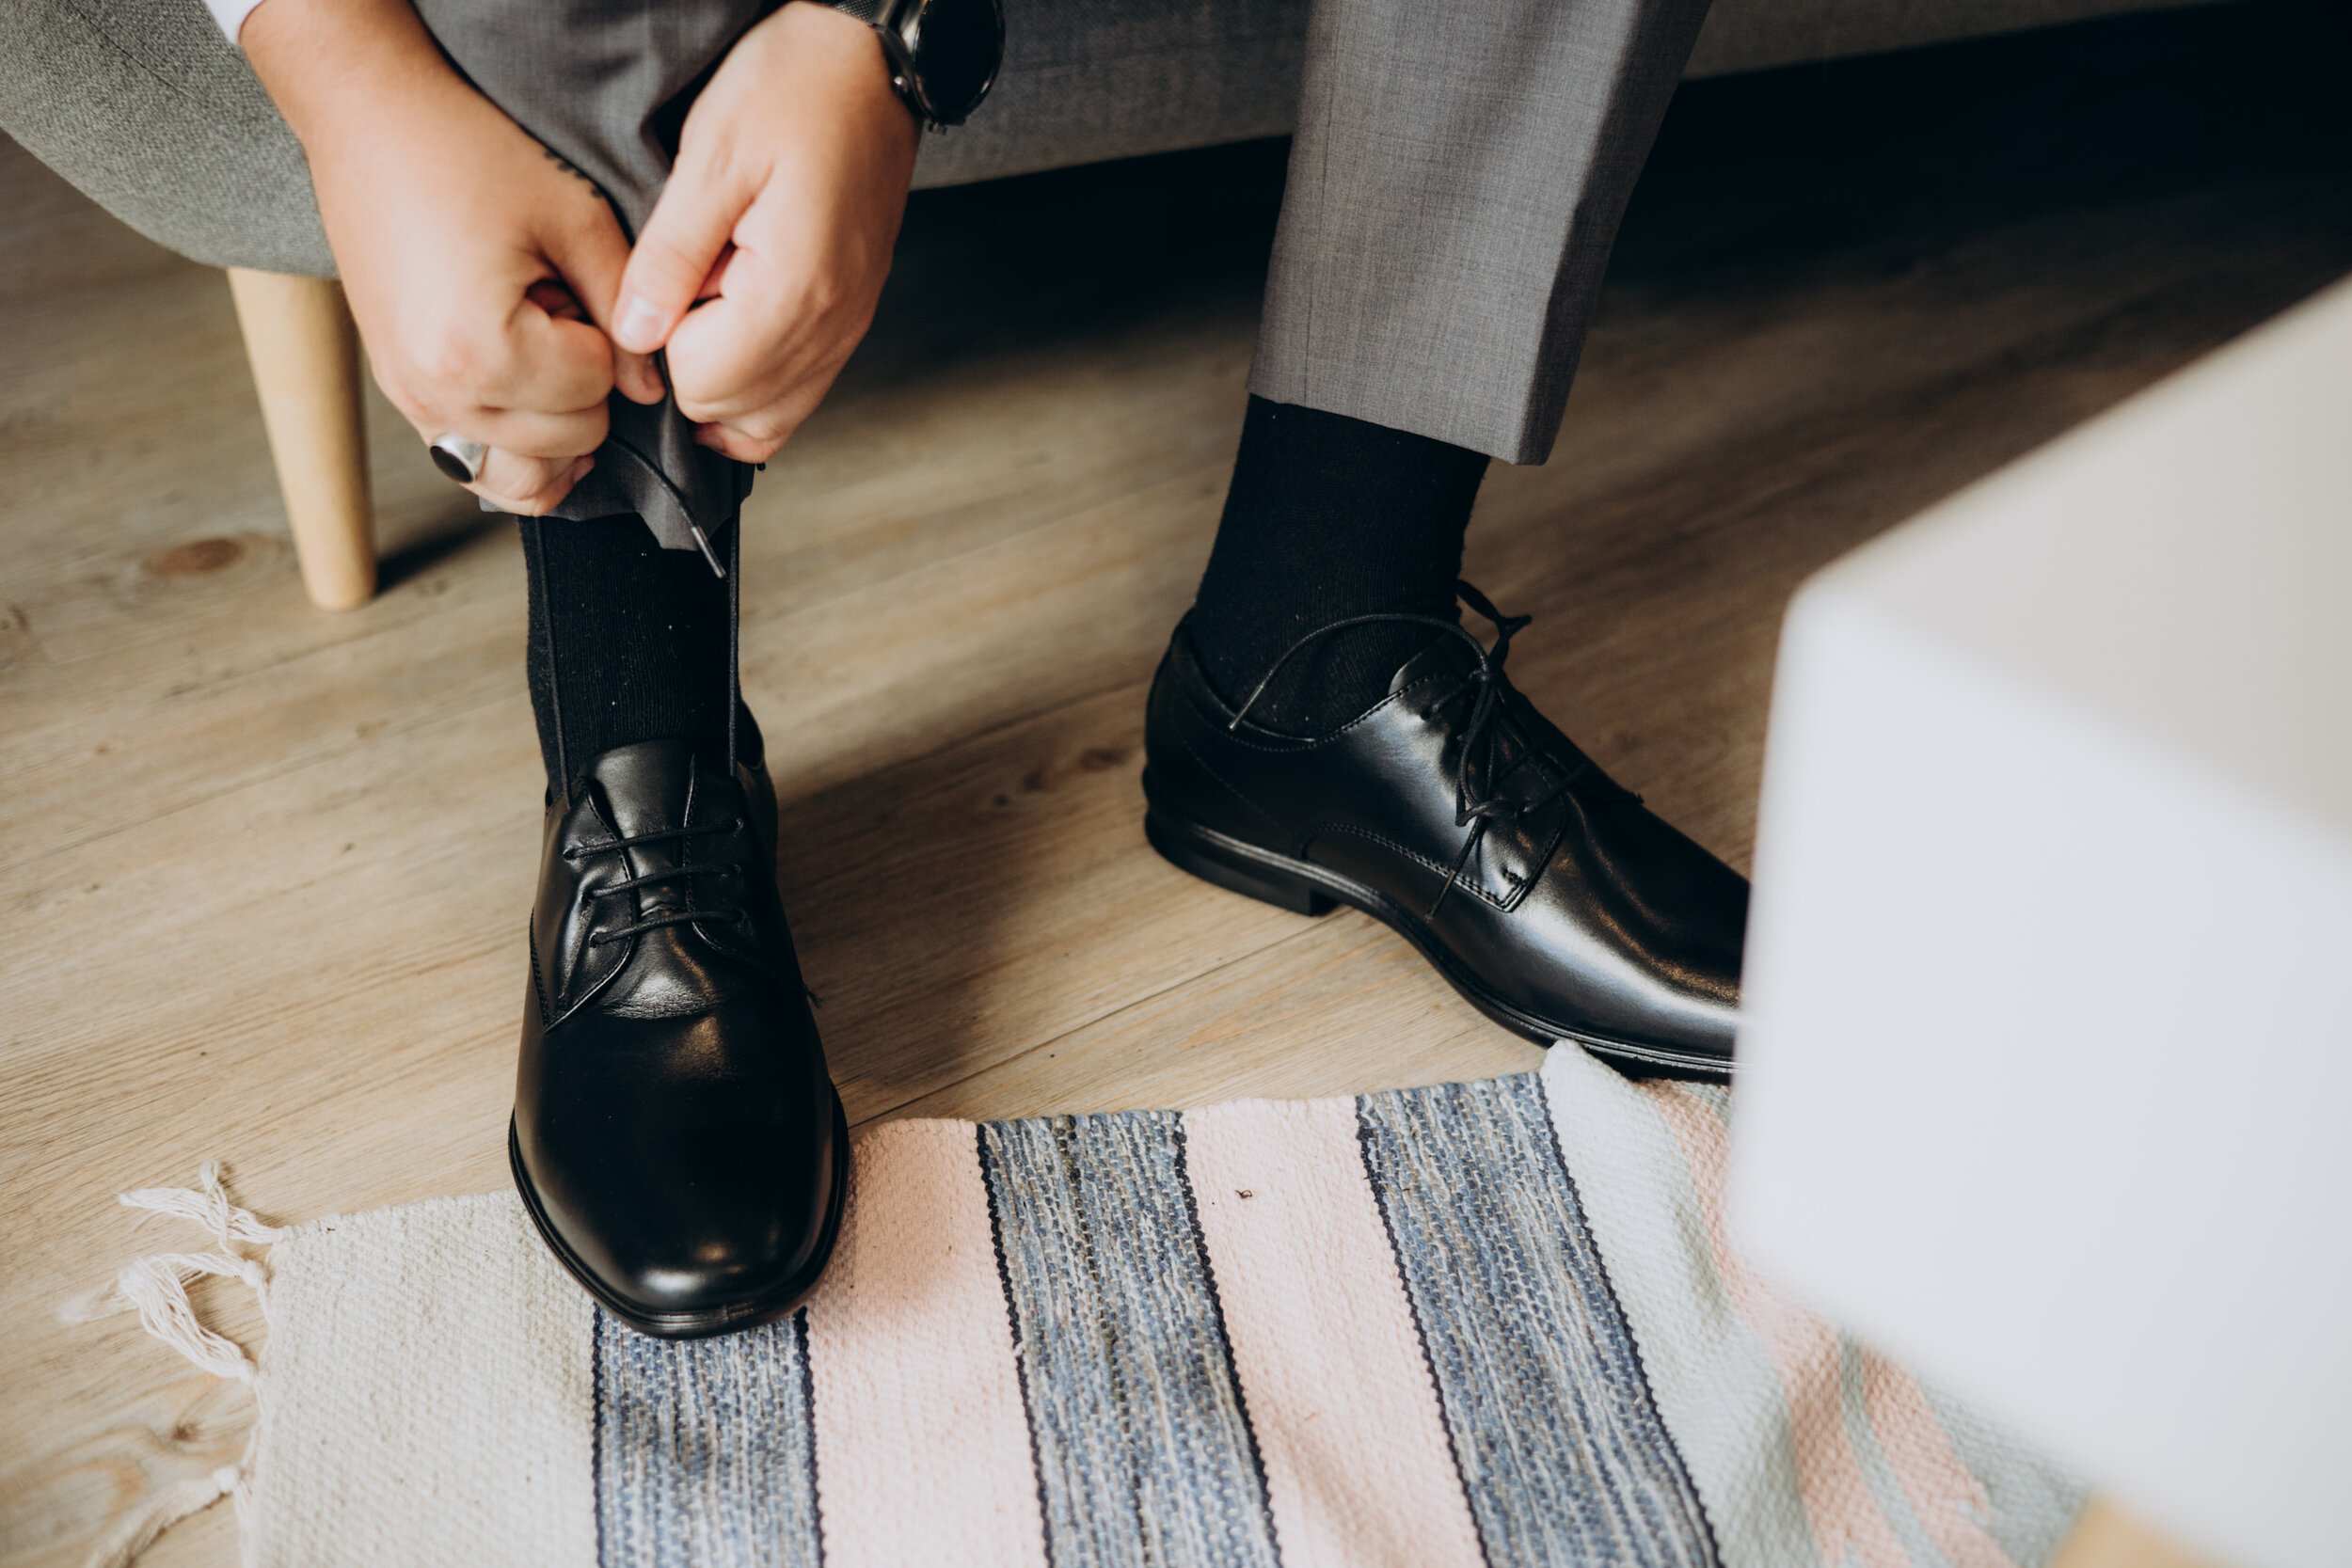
x: 1144, y: 1451
x: 1562, y: 1453
x: 706, y: 1449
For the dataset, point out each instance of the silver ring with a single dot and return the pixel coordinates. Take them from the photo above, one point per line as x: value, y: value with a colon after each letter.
x: 459, y: 458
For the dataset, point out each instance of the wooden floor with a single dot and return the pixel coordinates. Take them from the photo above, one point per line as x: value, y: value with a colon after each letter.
x: 266, y: 868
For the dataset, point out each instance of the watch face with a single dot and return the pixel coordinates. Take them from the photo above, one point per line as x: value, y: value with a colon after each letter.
x: 957, y: 45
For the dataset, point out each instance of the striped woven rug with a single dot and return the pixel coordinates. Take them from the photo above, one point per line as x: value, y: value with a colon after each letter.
x: 1479, y: 1323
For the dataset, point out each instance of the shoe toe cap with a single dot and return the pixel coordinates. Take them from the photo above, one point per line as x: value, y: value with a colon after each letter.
x: 1640, y: 938
x: 708, y: 1212
x: 683, y: 1195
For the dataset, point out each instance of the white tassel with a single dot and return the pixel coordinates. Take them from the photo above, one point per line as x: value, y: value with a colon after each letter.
x: 156, y: 1286
x: 138, y: 1530
x: 209, y: 1207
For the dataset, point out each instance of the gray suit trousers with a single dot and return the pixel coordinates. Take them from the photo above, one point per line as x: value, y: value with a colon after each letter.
x: 1459, y: 171
x: 1457, y: 179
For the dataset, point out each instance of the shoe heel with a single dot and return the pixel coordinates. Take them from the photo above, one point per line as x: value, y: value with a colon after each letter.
x: 1187, y: 850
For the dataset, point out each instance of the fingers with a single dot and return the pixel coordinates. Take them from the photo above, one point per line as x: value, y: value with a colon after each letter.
x: 593, y: 258
x: 749, y: 410
x: 779, y: 217
x: 527, y: 486
x: 757, y: 435
x: 532, y: 460
x: 754, y: 363
x: 542, y: 363
x: 551, y: 437
x: 542, y: 356
x: 682, y: 244
x: 746, y: 447
x: 530, y: 382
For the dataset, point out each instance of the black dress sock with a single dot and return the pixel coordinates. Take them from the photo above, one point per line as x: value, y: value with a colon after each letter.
x: 628, y: 642
x: 1328, y: 517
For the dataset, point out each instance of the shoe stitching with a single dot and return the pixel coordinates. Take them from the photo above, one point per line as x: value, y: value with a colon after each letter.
x: 1477, y: 803
x: 1213, y: 711
x: 1522, y: 886
x: 1416, y: 857
x: 1496, y: 737
x: 538, y: 984
x: 1308, y: 743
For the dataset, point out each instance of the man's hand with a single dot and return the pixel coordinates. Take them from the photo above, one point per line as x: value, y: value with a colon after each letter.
x: 471, y: 255
x: 779, y: 215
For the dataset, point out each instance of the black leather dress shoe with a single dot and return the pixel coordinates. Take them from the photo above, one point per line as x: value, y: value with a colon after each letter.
x: 675, y: 1138
x: 1458, y: 814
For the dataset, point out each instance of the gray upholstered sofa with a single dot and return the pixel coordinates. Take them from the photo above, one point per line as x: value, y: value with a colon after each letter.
x: 143, y: 106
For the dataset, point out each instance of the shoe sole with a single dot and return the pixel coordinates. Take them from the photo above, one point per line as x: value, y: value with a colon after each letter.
x: 765, y: 1308
x: 1305, y: 888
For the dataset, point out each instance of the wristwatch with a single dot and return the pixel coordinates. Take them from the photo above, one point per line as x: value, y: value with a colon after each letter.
x: 942, y: 53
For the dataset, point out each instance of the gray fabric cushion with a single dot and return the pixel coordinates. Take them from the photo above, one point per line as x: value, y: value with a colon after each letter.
x: 142, y: 103
x: 144, y: 107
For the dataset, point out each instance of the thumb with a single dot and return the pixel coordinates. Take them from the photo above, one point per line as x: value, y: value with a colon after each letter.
x: 592, y: 257
x: 689, y: 227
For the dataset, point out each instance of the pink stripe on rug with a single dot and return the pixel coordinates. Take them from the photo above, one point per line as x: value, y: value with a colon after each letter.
x: 1945, y: 1493
x: 922, y: 1441
x: 1802, y: 1349
x: 1359, y: 1473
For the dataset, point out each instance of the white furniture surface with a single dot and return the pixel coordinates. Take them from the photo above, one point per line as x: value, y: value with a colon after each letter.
x: 2046, y: 1061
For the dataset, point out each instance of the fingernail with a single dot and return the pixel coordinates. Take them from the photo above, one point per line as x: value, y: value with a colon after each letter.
x: 580, y: 468
x: 707, y: 435
x: 641, y: 324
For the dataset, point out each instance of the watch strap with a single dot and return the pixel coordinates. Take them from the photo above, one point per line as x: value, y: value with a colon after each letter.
x: 892, y: 19
x: 878, y: 15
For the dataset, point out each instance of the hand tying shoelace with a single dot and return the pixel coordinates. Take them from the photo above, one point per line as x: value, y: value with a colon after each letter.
x: 1474, y: 808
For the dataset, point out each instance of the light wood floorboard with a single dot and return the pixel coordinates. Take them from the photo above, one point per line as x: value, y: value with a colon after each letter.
x: 265, y: 868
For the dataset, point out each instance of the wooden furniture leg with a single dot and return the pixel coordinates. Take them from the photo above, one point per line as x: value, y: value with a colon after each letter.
x: 305, y: 352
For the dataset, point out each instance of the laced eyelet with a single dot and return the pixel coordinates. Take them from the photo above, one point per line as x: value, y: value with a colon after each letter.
x: 657, y: 918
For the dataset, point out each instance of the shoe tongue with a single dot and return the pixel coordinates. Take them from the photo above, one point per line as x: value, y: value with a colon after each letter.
x: 1447, y: 655
x: 646, y: 787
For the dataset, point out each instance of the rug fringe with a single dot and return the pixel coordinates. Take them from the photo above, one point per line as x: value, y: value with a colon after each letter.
x: 156, y: 1286
x: 208, y: 1206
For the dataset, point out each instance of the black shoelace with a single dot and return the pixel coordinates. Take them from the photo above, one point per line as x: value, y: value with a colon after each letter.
x: 1478, y: 800
x: 673, y: 874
